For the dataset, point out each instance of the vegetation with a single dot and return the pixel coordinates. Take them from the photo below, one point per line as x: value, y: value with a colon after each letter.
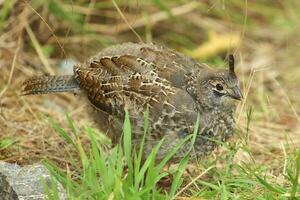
x: 119, y: 173
x: 261, y: 162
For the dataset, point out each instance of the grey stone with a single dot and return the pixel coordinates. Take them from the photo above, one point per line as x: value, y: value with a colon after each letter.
x: 25, y: 183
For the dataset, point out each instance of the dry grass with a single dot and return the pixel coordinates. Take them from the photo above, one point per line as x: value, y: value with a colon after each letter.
x: 268, y: 64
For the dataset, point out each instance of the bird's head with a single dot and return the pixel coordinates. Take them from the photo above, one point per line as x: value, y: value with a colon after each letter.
x: 219, y: 88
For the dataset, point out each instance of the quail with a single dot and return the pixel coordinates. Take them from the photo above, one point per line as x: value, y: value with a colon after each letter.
x: 174, y: 87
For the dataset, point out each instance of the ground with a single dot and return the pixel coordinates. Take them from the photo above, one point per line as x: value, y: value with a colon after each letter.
x: 45, y: 38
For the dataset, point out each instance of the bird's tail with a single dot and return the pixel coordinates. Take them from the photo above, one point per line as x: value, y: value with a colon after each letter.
x: 49, y: 84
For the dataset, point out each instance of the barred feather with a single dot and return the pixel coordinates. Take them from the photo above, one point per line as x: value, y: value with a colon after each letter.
x: 49, y: 84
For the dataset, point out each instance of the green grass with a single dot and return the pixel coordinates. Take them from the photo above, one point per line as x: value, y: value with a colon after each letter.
x: 6, y: 142
x: 247, y: 181
x: 119, y: 173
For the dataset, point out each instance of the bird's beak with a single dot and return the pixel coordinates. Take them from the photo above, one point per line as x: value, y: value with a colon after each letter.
x: 236, y: 93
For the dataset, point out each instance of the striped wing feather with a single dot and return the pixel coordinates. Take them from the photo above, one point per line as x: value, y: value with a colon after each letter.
x: 115, y: 82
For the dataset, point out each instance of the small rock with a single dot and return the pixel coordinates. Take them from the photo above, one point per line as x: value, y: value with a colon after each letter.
x: 25, y: 183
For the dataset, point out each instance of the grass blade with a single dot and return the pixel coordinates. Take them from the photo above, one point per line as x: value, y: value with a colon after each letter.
x: 58, y: 129
x: 295, y: 183
x: 178, y: 180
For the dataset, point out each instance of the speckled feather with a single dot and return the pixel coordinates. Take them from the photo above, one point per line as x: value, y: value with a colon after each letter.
x: 136, y: 76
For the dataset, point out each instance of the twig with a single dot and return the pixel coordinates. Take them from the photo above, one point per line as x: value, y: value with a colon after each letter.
x: 14, y: 62
x: 285, y: 159
x: 288, y: 100
x: 194, y: 180
x: 127, y: 23
x: 153, y: 19
x: 39, y: 50
x: 50, y: 29
x: 246, y: 95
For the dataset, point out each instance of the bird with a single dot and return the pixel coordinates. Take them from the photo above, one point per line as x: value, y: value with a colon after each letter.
x: 176, y: 89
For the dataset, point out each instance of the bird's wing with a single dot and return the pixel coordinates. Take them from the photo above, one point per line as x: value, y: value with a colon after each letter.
x: 113, y: 83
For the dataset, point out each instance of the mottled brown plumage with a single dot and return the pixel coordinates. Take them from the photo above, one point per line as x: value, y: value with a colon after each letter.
x: 175, y: 88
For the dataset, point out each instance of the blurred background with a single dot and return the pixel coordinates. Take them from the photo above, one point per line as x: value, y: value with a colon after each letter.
x: 47, y: 37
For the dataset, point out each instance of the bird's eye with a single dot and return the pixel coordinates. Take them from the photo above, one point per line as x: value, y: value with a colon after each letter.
x: 219, y: 87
